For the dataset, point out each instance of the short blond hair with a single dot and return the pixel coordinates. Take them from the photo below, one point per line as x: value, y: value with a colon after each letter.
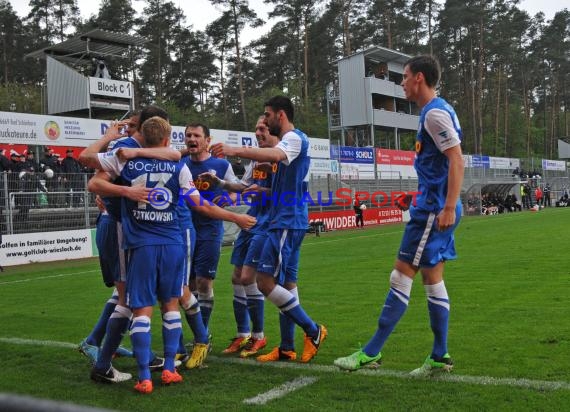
x: 155, y: 130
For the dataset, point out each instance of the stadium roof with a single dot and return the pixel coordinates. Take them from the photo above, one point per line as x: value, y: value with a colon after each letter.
x: 380, y: 54
x: 95, y: 43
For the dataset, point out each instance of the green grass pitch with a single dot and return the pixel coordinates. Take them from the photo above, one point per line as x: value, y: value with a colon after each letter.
x: 509, y: 328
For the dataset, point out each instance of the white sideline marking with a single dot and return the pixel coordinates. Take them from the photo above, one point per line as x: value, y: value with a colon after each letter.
x: 379, y: 372
x: 48, y: 277
x: 281, y: 390
x: 53, y: 343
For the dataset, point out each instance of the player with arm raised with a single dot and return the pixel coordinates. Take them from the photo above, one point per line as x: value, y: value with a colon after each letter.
x: 288, y: 221
x: 248, y: 301
x: 153, y: 239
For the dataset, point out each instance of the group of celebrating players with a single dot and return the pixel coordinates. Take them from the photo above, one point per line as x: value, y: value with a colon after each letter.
x: 160, y: 230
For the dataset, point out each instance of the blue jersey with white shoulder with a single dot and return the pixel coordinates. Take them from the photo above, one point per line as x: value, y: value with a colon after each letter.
x: 208, y: 228
x: 260, y: 205
x: 438, y: 131
x: 184, y: 212
x: 289, y: 207
x: 156, y: 222
x: 113, y: 204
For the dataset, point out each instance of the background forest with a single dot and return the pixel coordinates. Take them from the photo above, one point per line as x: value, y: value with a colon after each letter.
x: 506, y: 72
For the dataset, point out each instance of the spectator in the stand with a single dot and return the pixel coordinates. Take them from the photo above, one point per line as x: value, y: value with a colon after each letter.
x: 4, y: 161
x: 27, y: 185
x: 516, y: 171
x: 5, y: 166
x: 538, y: 195
x: 30, y: 162
x: 49, y: 161
x: 238, y: 168
x: 73, y: 177
x: 546, y: 195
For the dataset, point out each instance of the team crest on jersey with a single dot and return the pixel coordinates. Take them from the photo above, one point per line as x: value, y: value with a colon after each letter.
x: 201, y: 184
x: 418, y: 146
x: 261, y: 174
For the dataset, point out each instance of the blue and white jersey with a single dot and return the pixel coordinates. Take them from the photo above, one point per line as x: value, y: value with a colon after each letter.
x: 439, y: 130
x: 289, y: 207
x: 260, y: 205
x: 156, y: 222
x: 113, y: 204
x: 208, y: 228
x: 184, y: 211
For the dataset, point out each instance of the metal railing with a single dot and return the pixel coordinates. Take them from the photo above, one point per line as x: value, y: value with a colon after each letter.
x: 39, y: 204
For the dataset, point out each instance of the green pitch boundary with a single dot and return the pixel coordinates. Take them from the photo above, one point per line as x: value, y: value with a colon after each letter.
x: 377, y: 372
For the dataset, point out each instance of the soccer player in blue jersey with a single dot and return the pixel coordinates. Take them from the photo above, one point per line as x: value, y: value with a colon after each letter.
x: 288, y: 223
x: 209, y: 232
x: 153, y: 239
x: 116, y: 316
x: 428, y: 240
x: 111, y: 258
x: 248, y: 300
x: 188, y: 301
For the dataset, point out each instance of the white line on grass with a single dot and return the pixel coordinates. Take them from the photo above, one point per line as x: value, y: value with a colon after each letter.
x: 379, y: 372
x: 281, y: 390
x: 33, y: 342
x: 48, y: 277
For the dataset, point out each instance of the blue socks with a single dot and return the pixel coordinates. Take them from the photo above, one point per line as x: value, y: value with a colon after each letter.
x: 98, y: 333
x: 206, y: 301
x: 438, y: 307
x: 194, y: 319
x: 140, y: 339
x: 255, y: 307
x: 171, y: 331
x: 116, y: 327
x: 288, y: 303
x: 394, y: 307
x: 240, y: 310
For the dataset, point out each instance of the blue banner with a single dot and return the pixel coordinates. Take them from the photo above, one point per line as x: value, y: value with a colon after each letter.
x: 480, y: 161
x: 346, y: 154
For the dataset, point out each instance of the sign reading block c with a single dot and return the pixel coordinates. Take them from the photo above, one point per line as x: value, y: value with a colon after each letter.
x: 108, y: 87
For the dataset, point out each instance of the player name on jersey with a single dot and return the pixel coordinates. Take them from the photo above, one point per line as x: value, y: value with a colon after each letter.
x: 153, y: 216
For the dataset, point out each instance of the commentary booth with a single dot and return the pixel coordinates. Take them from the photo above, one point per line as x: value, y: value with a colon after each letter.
x: 80, y: 80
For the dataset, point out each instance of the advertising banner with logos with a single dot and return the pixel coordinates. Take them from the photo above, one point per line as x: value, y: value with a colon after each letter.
x: 323, y: 167
x: 230, y: 137
x: 395, y: 157
x: 346, y: 154
x: 559, y: 165
x: 345, y: 219
x: 395, y: 164
x: 319, y: 148
x: 47, y: 247
x: 478, y: 161
x: 505, y: 163
x: 32, y: 129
